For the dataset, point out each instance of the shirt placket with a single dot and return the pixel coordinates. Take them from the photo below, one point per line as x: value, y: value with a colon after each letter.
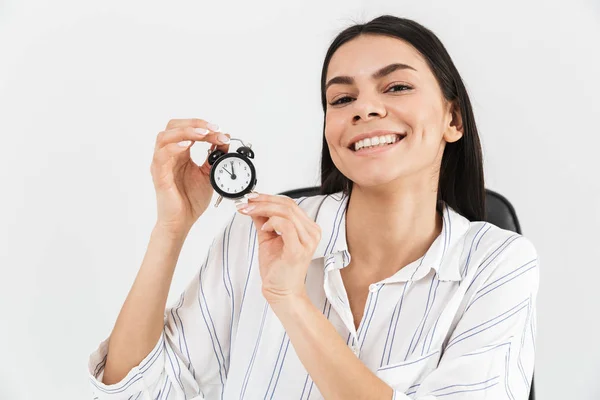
x: 337, y: 296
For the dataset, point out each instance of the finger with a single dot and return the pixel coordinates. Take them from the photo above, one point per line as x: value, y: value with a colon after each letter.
x: 259, y: 222
x: 177, y: 141
x: 267, y: 227
x: 287, y: 230
x: 192, y: 122
x: 270, y: 210
x: 189, y: 133
x: 309, y: 225
x: 205, y: 167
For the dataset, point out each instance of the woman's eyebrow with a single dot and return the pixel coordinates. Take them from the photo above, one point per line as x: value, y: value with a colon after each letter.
x: 348, y: 80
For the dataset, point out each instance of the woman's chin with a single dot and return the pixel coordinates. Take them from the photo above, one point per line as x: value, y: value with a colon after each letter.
x: 373, y: 180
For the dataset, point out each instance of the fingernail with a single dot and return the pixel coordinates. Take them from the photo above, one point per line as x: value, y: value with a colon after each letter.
x: 277, y: 232
x: 213, y: 127
x: 185, y: 143
x: 223, y: 138
x: 239, y: 206
x: 201, y: 131
x: 251, y: 195
x: 246, y: 210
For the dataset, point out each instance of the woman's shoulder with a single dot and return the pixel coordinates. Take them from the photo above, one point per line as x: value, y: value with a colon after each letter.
x: 495, y: 250
x: 491, y: 236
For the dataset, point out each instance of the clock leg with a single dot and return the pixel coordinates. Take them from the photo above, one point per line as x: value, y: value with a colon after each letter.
x: 218, y: 201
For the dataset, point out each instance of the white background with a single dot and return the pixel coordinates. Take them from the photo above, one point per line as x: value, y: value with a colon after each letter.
x: 85, y: 87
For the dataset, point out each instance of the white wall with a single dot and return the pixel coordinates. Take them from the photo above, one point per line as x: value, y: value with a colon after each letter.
x: 85, y: 87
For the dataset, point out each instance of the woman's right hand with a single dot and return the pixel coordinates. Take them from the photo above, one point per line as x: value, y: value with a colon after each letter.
x: 183, y: 189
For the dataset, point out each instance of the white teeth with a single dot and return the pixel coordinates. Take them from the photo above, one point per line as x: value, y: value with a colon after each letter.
x: 376, y: 141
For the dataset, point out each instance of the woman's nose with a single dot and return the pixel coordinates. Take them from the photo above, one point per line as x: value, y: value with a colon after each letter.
x: 368, y: 108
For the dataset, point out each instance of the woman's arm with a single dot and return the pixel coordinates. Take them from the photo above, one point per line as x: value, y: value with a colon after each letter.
x: 141, y: 320
x: 334, y: 368
x: 491, y: 349
x: 287, y: 239
x: 490, y: 352
x: 189, y: 357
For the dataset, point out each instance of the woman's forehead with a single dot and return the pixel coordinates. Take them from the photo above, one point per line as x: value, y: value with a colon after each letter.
x: 368, y: 53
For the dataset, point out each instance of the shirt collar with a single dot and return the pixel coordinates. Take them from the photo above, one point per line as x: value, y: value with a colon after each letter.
x: 443, y: 254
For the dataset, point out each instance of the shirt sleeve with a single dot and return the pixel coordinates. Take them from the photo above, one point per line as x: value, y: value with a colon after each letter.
x: 191, y: 358
x: 490, y: 353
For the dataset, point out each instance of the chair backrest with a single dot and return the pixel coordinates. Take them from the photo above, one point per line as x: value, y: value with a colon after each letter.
x: 500, y: 212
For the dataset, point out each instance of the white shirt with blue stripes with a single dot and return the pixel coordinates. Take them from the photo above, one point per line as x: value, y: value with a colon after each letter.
x: 457, y: 323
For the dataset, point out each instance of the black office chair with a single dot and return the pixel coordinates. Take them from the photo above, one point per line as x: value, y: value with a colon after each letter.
x: 499, y: 212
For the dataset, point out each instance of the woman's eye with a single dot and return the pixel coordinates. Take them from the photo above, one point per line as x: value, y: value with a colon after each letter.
x: 338, y: 101
x: 398, y: 86
x: 400, y: 89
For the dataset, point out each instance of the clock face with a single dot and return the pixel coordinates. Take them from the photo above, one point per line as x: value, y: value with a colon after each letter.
x: 232, y: 175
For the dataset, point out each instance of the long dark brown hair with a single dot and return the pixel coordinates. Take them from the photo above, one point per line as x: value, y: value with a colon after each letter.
x: 461, y: 183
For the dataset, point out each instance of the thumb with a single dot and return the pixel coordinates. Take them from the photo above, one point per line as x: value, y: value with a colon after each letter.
x: 264, y: 229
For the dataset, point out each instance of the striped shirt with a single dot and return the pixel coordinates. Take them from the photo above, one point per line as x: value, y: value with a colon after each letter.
x: 458, y: 323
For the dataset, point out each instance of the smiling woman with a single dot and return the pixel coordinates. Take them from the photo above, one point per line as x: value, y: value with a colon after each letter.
x: 415, y: 86
x: 388, y: 284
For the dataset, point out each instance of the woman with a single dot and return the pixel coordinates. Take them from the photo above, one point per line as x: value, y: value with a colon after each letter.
x: 387, y: 285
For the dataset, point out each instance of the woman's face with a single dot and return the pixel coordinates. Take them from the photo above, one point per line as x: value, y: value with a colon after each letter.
x: 406, y: 101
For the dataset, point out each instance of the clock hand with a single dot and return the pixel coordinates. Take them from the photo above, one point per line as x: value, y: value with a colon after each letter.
x: 232, y: 171
x: 227, y: 171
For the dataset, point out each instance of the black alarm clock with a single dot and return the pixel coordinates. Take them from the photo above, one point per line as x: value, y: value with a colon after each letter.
x: 232, y: 175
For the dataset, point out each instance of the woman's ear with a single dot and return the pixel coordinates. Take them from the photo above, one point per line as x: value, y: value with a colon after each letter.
x: 454, y: 130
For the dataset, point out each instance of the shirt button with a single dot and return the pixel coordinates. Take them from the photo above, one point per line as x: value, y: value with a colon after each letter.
x: 373, y: 287
x: 355, y: 350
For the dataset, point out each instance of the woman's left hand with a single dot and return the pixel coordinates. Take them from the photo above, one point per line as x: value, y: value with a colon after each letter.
x: 287, y: 239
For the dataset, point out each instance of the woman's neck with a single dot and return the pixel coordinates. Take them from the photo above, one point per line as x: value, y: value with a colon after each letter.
x: 386, y: 231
